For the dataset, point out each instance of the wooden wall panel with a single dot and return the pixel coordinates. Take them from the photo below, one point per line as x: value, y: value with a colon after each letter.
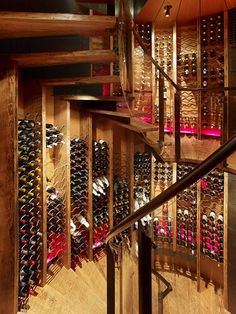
x: 62, y: 164
x: 129, y: 282
x: 231, y: 240
x: 8, y: 188
x: 185, y: 299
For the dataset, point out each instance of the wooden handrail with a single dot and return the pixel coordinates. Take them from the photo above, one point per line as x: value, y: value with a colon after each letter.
x: 199, y: 171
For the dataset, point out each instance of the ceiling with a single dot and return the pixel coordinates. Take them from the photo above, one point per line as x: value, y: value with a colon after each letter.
x: 183, y: 11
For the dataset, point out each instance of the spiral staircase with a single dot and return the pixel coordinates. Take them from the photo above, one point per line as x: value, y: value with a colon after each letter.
x: 88, y: 289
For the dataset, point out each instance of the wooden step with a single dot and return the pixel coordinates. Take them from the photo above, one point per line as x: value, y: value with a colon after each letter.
x: 141, y: 127
x: 50, y: 301
x: 26, y: 24
x: 83, y: 296
x: 93, y: 270
x: 43, y: 59
x: 102, y: 98
x: 105, y: 79
x: 122, y: 114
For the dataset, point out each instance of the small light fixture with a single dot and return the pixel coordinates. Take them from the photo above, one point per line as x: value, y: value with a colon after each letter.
x: 167, y: 9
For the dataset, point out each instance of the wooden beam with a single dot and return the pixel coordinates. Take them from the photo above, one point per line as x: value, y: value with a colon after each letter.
x: 144, y: 271
x: 105, y: 79
x: 27, y: 24
x: 9, y: 188
x: 44, y: 59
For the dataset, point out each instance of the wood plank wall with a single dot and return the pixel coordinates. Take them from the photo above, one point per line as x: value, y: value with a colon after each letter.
x: 8, y: 187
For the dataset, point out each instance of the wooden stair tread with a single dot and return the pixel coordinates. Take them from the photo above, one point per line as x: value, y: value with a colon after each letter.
x: 138, y: 128
x: 144, y: 126
x: 68, y: 284
x: 27, y: 24
x: 102, y: 79
x: 103, y: 98
x: 94, y: 277
x: 42, y: 59
x: 122, y: 114
x: 50, y: 300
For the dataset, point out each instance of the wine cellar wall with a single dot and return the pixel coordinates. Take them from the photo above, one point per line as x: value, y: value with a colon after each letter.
x: 78, y: 174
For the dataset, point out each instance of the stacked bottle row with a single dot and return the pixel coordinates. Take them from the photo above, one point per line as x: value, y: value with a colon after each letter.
x: 142, y: 68
x: 55, y: 197
x: 212, y: 217
x: 121, y: 208
x: 142, y: 182
x: 188, y: 65
x: 30, y: 236
x: 100, y: 192
x: 162, y: 222
x: 79, y: 200
x: 212, y: 67
x: 56, y: 221
x: 145, y: 32
x: 164, y: 50
x: 120, y: 200
x: 212, y: 30
x: 212, y: 74
x: 119, y: 50
x: 187, y: 211
x: 54, y: 136
x: 142, y: 71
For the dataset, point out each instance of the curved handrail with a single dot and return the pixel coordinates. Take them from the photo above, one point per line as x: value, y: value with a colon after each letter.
x: 199, y: 171
x: 159, y: 68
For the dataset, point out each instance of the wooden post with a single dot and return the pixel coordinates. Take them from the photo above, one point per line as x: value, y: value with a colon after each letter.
x: 9, y: 188
x: 198, y: 235
x: 177, y: 126
x: 161, y: 109
x: 110, y: 281
x: 229, y: 245
x: 86, y: 132
x: 174, y: 207
x: 226, y: 238
x: 144, y: 271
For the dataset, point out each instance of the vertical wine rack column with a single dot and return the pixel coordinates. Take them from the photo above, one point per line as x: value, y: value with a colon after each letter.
x: 212, y: 224
x: 56, y: 117
x: 30, y: 191
x: 9, y: 187
x: 212, y: 55
x: 30, y: 209
x: 80, y: 196
x: 142, y: 68
x: 164, y: 55
x: 142, y: 180
x: 163, y: 216
x: 121, y: 174
x: 164, y: 102
x: 188, y: 76
x: 187, y: 213
x: 102, y: 182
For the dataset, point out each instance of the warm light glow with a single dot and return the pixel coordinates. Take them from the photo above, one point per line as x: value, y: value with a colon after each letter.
x: 167, y: 10
x: 209, y: 132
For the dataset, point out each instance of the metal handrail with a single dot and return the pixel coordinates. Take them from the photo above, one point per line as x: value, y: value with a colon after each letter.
x: 199, y: 171
x: 162, y: 294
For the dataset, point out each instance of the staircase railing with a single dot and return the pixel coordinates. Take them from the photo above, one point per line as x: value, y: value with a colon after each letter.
x: 162, y: 294
x: 198, y: 172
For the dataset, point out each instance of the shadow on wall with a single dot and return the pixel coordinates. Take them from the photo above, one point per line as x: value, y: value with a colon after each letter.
x: 49, y: 6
